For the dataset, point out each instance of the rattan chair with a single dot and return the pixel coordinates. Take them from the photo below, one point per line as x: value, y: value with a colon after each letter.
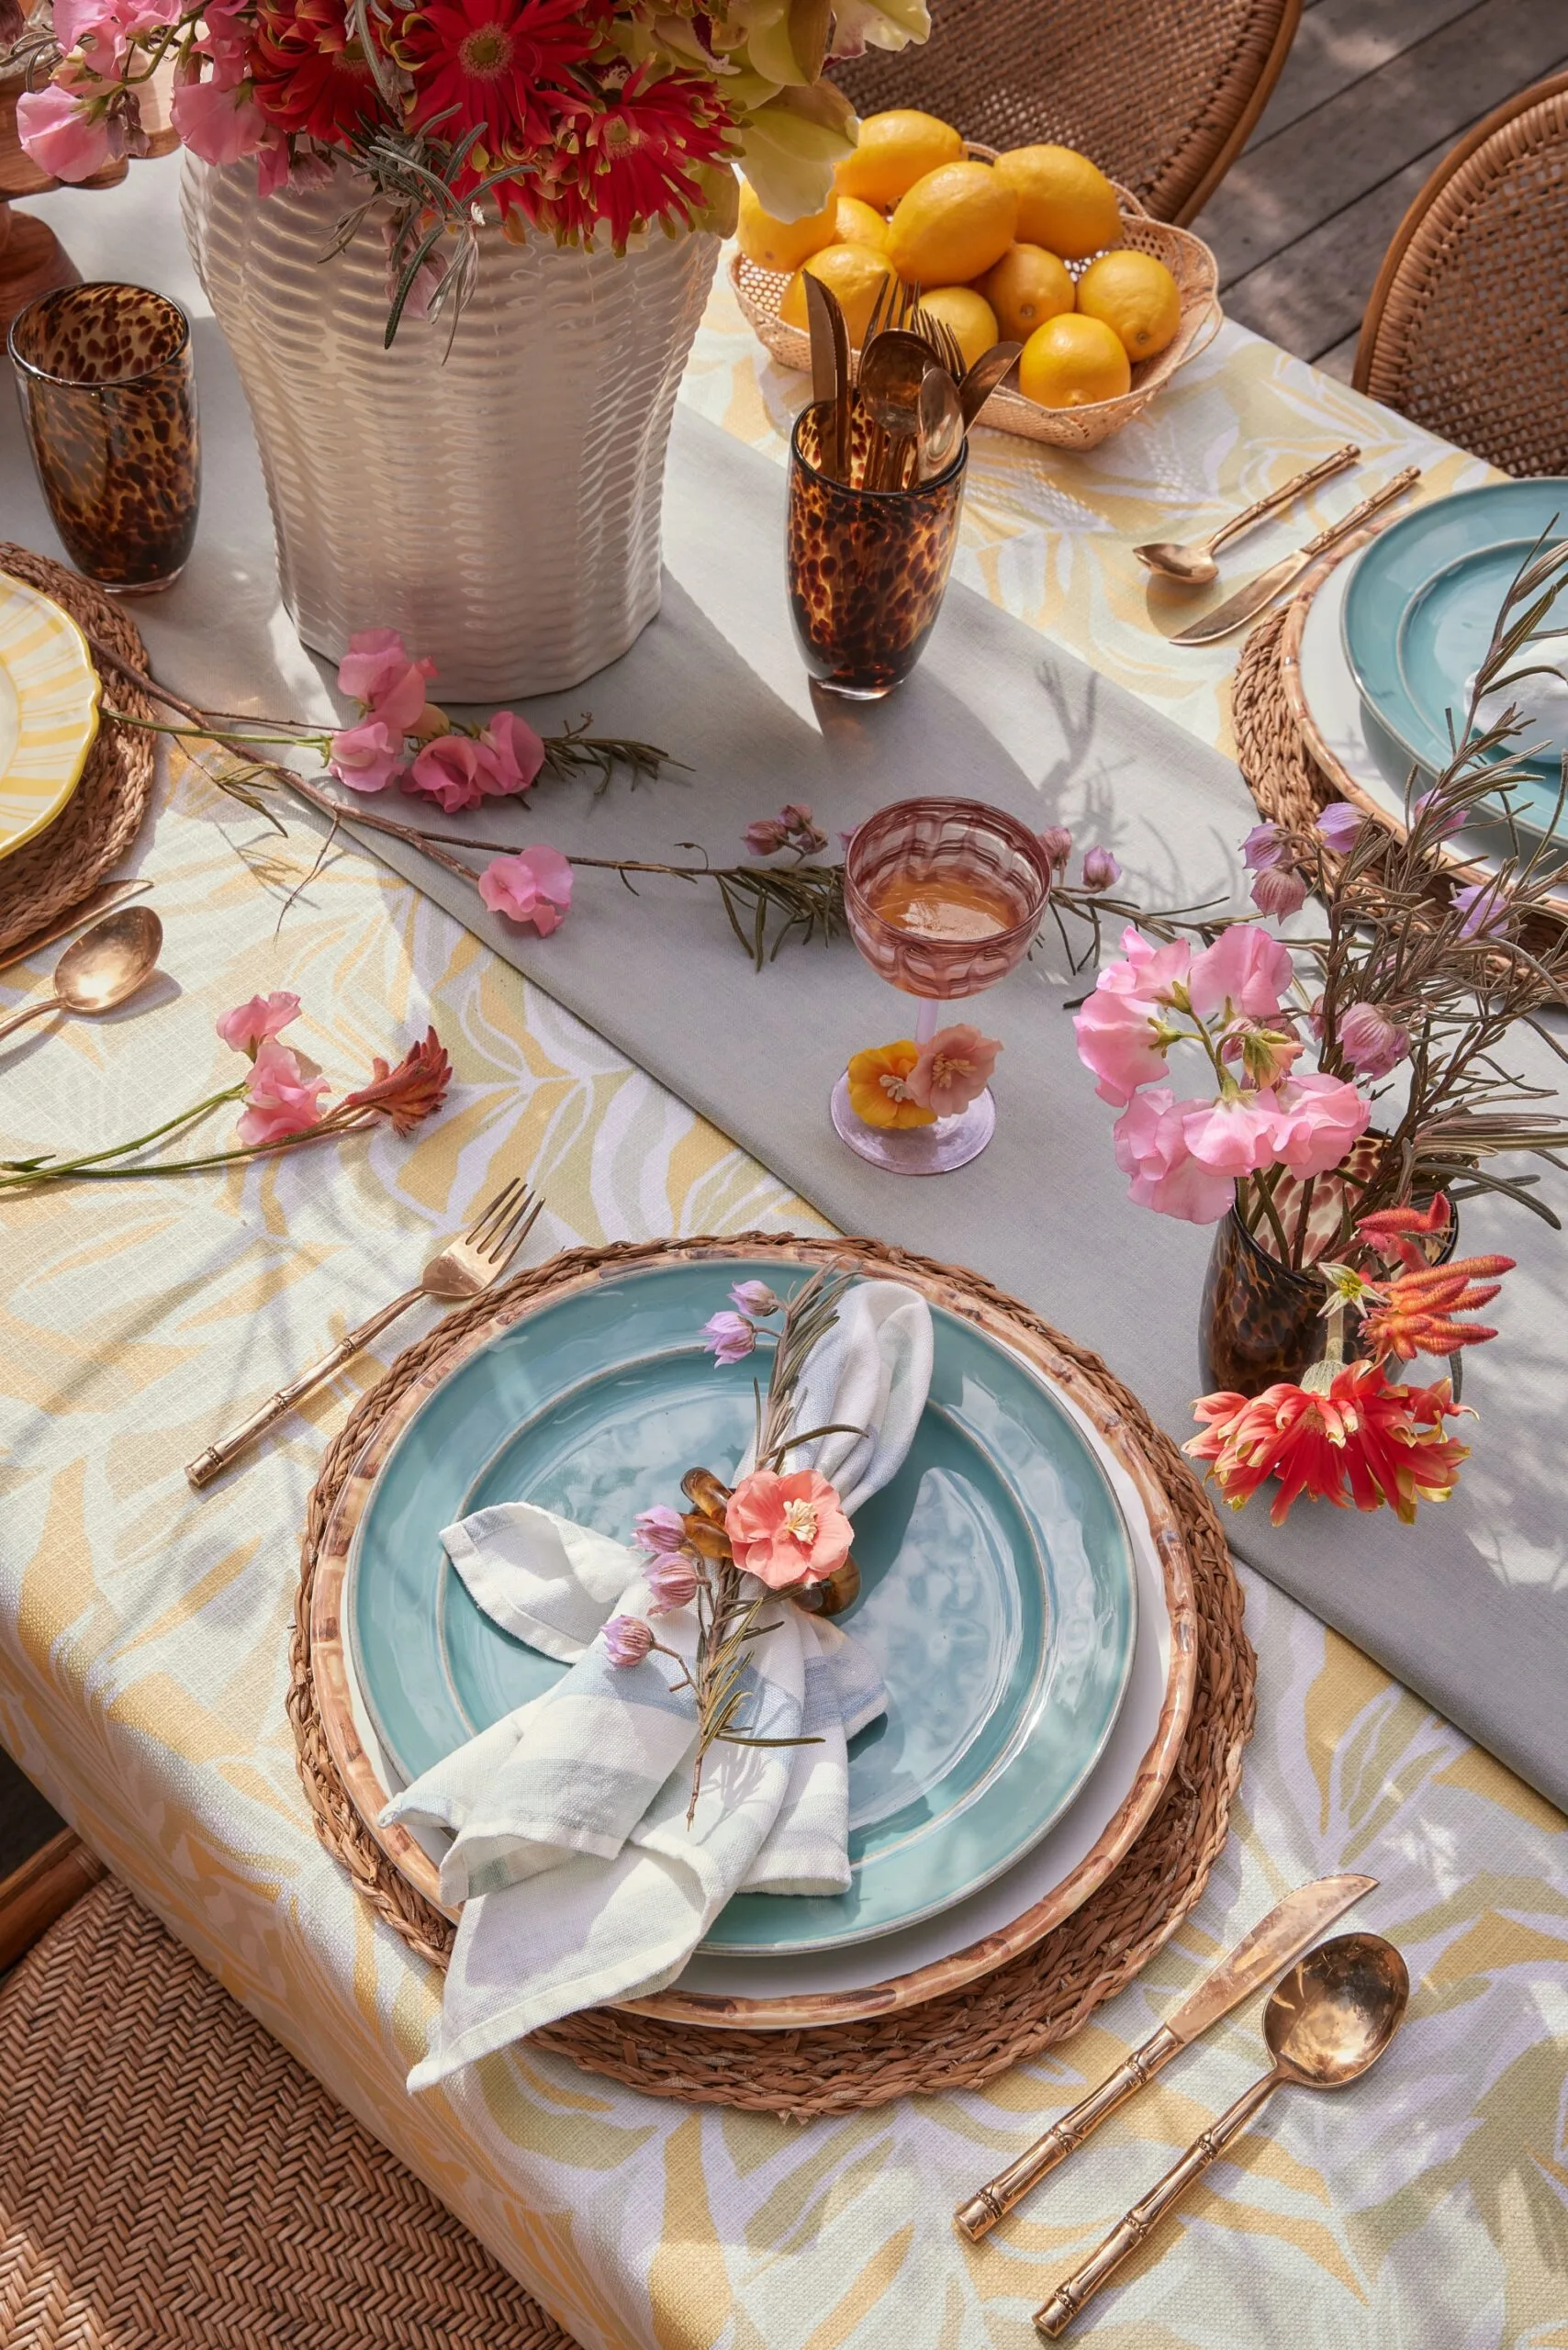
x: 1162, y: 93
x: 1467, y: 328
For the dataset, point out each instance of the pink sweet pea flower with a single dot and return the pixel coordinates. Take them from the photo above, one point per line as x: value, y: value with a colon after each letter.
x: 455, y: 770
x: 1246, y: 968
x: 787, y: 1531
x: 218, y: 123
x: 378, y: 672
x: 367, y: 757
x: 59, y: 136
x: 284, y: 1095
x: 1319, y: 1118
x: 1151, y: 1148
x: 517, y: 752
x: 534, y: 886
x: 1232, y: 1136
x: 953, y: 1070
x: 249, y: 1024
x: 1118, y: 1028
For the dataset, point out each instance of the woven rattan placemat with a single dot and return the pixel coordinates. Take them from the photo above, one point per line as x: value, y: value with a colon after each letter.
x: 952, y: 2041
x: 170, y: 2175
x: 64, y: 863
x: 1281, y: 773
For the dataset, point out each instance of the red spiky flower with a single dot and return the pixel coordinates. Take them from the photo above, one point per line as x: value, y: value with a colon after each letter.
x: 1359, y: 1439
x: 410, y: 1093
x: 1397, y: 1233
x: 1413, y: 1313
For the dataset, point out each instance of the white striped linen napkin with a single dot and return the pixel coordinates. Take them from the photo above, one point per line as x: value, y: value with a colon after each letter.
x: 579, y: 1878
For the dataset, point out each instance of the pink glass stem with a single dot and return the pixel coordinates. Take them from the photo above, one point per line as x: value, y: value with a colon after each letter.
x: 925, y: 1019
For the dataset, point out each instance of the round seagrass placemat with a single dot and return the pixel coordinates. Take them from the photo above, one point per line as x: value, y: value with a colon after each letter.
x: 64, y: 863
x: 956, y: 2039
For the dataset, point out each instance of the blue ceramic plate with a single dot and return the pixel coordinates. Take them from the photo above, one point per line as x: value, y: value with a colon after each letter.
x: 997, y: 1578
x: 1420, y: 612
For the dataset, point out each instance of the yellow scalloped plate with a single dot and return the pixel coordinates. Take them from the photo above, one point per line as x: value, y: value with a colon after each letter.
x: 49, y: 710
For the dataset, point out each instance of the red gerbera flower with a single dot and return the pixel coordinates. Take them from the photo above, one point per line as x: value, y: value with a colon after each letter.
x: 311, y: 73
x: 642, y: 149
x: 1361, y: 1440
x: 496, y: 64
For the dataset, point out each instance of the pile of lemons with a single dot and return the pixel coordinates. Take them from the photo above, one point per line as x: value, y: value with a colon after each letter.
x: 988, y: 246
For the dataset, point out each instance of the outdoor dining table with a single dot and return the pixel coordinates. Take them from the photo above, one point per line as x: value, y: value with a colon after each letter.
x: 144, y: 1630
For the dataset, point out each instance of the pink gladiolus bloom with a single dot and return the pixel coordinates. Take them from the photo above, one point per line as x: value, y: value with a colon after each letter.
x: 59, y: 137
x: 1056, y: 842
x: 1151, y: 1148
x: 1264, y: 845
x: 1370, y: 1041
x: 660, y: 1529
x: 1101, y: 870
x: 1117, y: 1028
x: 1233, y: 1135
x: 249, y: 1024
x: 378, y: 672
x: 283, y: 1094
x: 754, y: 1297
x: 673, y: 1583
x: 455, y: 770
x: 217, y: 123
x: 787, y: 1531
x: 1339, y: 824
x: 1246, y: 967
x: 627, y: 1639
x: 953, y: 1070
x: 534, y: 886
x: 1319, y: 1118
x: 367, y: 757
x: 517, y: 753
x: 729, y: 1336
x: 1279, y: 890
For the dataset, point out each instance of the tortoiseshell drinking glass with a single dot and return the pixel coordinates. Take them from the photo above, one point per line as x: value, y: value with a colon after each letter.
x: 868, y: 568
x: 109, y: 397
x: 943, y: 898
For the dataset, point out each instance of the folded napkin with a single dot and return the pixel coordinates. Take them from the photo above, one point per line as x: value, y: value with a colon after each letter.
x: 579, y: 1878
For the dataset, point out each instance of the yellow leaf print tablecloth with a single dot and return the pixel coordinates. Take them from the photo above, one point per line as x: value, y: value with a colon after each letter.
x: 143, y: 1631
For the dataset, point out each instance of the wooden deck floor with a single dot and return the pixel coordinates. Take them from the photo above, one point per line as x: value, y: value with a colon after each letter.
x: 1374, y: 95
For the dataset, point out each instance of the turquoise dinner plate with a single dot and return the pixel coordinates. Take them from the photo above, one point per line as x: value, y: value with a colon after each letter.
x: 997, y: 1577
x: 1420, y: 608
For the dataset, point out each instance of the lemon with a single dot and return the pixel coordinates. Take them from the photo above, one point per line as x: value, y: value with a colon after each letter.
x: 895, y: 150
x: 782, y: 244
x: 968, y: 314
x: 1136, y: 296
x: 860, y: 223
x: 1027, y: 287
x: 854, y: 272
x: 1072, y: 362
x: 952, y: 225
x: 1064, y: 203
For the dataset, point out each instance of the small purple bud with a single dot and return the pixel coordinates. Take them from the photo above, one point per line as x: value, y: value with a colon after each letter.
x: 673, y: 1583
x: 767, y: 836
x: 1339, y: 824
x: 1485, y: 911
x: 1279, y: 890
x: 660, y: 1529
x: 1263, y: 847
x: 1101, y: 870
x: 1372, y: 1042
x: 1439, y: 825
x: 627, y: 1639
x: 730, y: 1337
x: 1056, y: 842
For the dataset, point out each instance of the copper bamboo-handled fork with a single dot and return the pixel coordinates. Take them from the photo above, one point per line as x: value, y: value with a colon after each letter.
x: 462, y: 1267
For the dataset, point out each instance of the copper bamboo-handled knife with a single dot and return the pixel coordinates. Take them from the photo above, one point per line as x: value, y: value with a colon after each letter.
x: 1249, y: 601
x: 1280, y: 1939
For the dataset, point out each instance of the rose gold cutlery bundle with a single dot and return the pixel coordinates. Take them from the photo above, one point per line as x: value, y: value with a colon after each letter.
x: 906, y: 436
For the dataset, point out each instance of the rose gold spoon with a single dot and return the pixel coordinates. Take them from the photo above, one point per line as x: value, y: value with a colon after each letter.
x: 103, y: 969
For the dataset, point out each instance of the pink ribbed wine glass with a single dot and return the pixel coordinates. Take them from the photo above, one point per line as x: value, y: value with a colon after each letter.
x: 943, y: 899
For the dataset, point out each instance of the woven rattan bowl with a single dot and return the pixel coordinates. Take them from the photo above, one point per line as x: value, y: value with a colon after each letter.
x: 760, y: 291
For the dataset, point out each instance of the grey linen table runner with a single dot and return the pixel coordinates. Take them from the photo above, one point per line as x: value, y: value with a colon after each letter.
x: 1470, y: 1607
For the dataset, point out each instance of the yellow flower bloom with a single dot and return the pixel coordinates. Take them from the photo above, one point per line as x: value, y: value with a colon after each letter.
x: 878, y: 1086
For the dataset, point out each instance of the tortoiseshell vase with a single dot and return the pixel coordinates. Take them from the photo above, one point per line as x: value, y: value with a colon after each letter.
x: 867, y: 568
x: 108, y: 397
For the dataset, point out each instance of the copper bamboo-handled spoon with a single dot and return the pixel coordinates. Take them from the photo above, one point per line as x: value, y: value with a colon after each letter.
x: 1330, y: 2019
x: 103, y: 969
x: 1192, y: 562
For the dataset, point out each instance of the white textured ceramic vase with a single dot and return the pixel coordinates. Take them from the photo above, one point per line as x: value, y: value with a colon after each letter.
x: 499, y: 506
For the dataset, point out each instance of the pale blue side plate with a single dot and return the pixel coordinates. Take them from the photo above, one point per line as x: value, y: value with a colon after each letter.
x: 1420, y: 608
x: 997, y: 1580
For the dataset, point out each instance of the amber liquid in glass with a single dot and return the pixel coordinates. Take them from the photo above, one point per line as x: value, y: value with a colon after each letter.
x: 944, y: 906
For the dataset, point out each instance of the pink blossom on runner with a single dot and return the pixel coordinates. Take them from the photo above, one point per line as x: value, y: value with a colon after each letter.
x: 953, y: 1070
x: 766, y: 835
x: 283, y: 1094
x: 1319, y: 1118
x: 787, y: 1531
x: 249, y: 1024
x: 455, y: 770
x: 379, y: 672
x: 517, y: 751
x: 534, y: 886
x: 366, y: 757
x: 1151, y: 1148
x: 1246, y: 967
